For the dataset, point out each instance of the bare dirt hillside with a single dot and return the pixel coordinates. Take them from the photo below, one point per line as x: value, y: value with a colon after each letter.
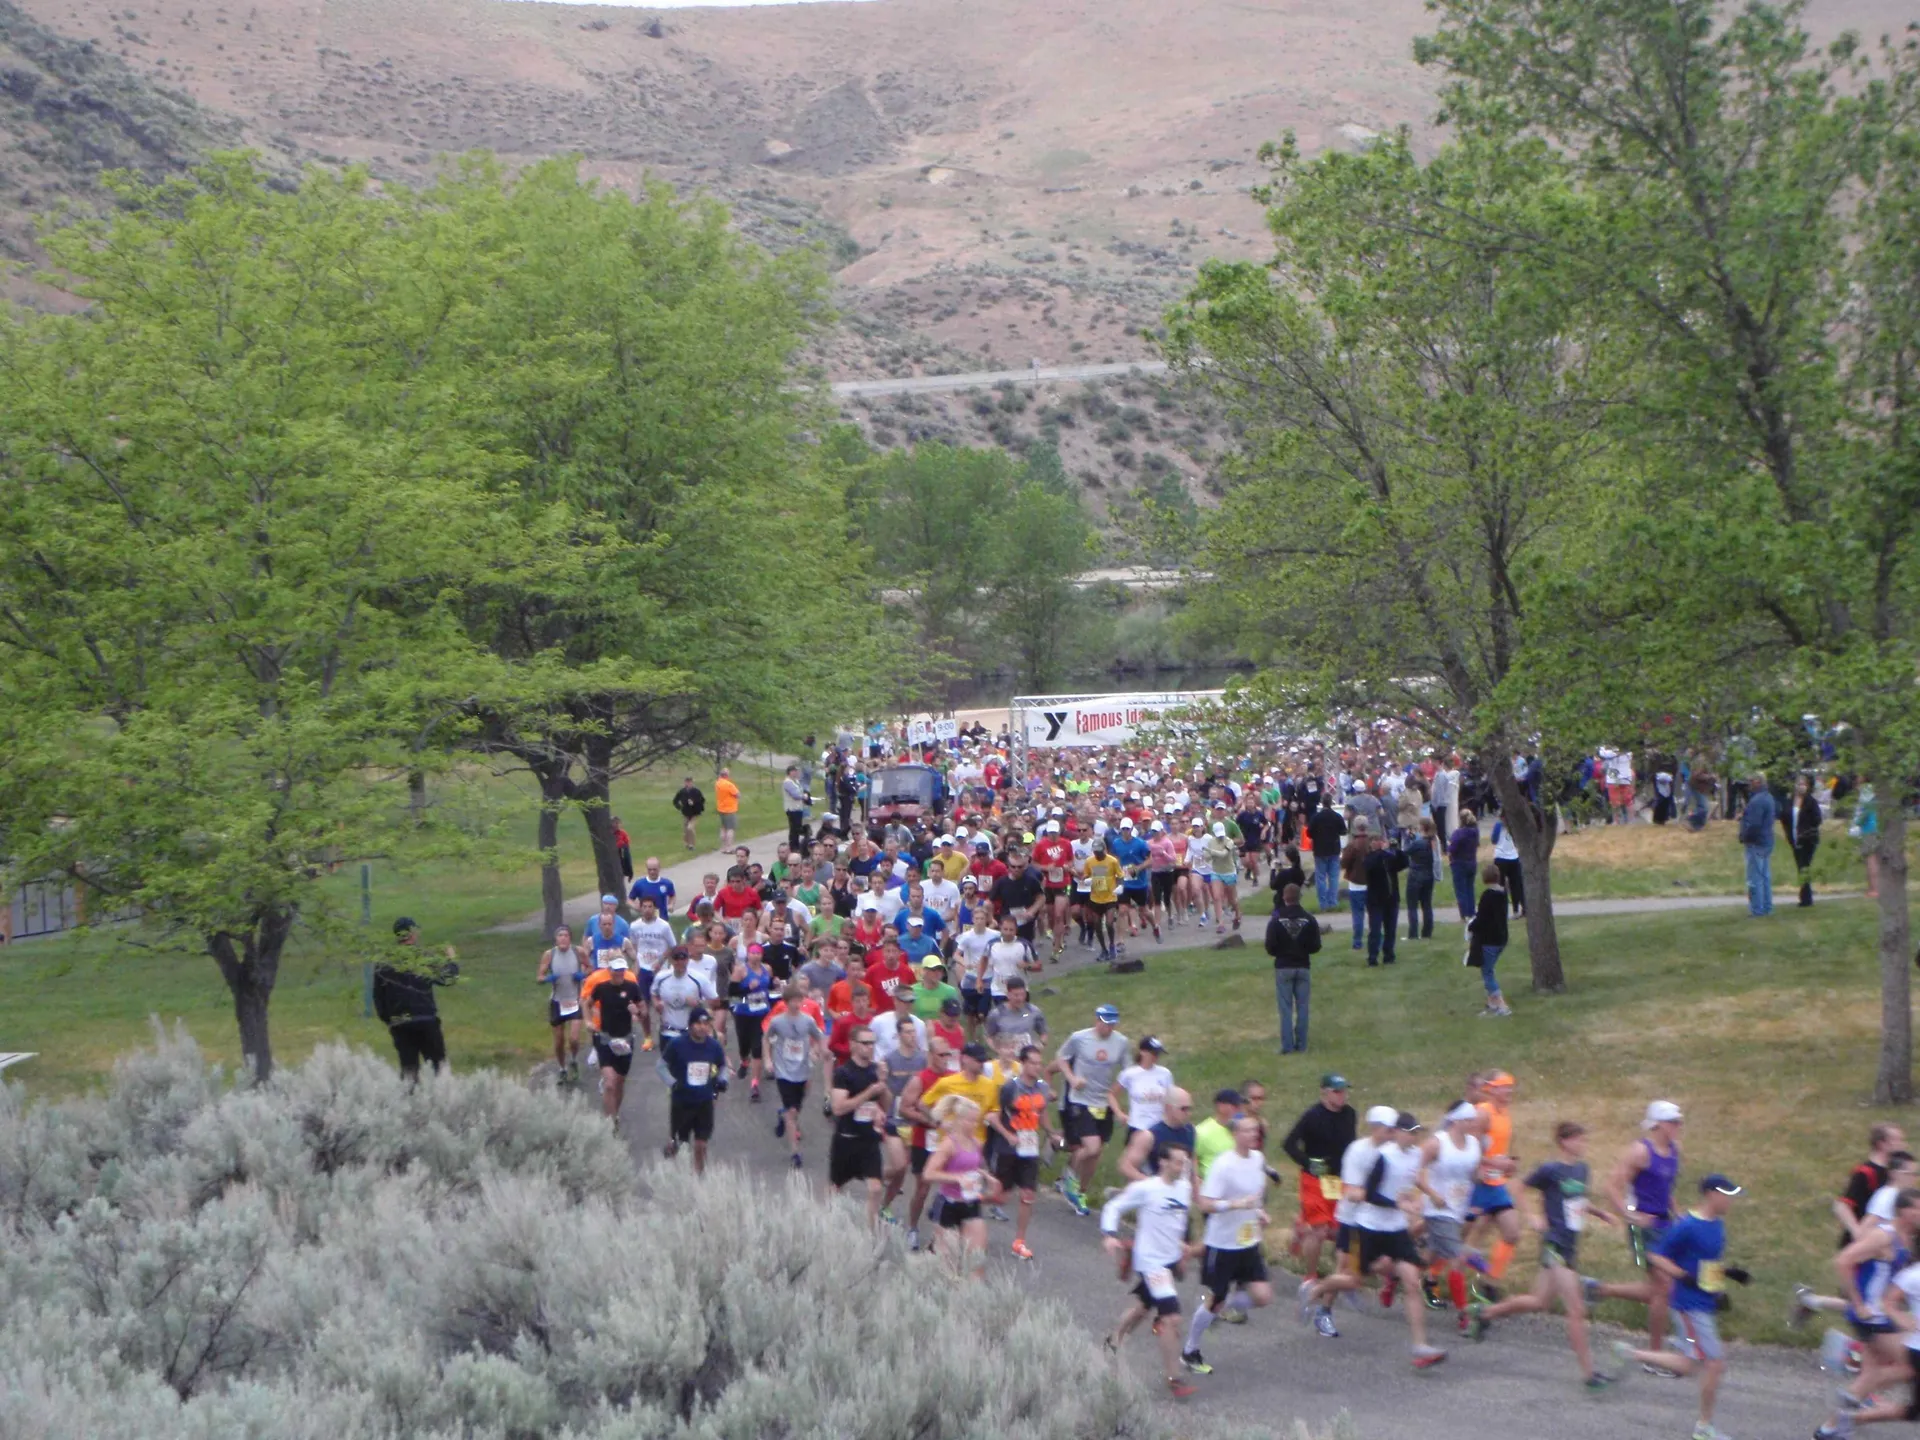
x: 999, y: 180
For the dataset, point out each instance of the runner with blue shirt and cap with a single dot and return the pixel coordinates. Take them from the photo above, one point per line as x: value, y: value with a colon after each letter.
x: 1691, y: 1256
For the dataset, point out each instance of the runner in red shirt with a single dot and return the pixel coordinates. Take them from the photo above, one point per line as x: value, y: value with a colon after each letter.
x: 840, y: 1043
x: 984, y: 867
x: 736, y: 897
x: 1053, y: 853
x: 840, y: 997
x: 892, y: 971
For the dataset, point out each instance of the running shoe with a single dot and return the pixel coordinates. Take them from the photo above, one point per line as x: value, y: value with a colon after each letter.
x: 1022, y: 1250
x: 1156, y: 934
x: 1078, y: 1202
x: 647, y: 1044
x: 1597, y: 1383
x: 1323, y: 1324
x: 1425, y: 1357
x: 1705, y: 1431
x: 798, y: 1163
x: 780, y: 1127
x: 886, y: 1214
x: 1387, y: 1291
x: 670, y: 1149
x: 1589, y: 1288
x: 1477, y: 1322
x: 1304, y: 1296
x: 1196, y: 1362
x: 1797, y: 1308
x: 1842, y: 1431
x: 1181, y: 1389
x: 1231, y: 1315
x: 754, y: 1095
x: 994, y: 1212
x: 1430, y: 1292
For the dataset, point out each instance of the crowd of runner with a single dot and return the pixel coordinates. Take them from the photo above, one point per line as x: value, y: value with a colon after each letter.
x: 890, y: 965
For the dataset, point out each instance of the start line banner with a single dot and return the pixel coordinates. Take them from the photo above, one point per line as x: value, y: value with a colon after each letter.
x: 1103, y: 719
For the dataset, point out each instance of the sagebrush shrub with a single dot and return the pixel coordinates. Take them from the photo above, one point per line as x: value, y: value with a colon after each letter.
x: 335, y: 1256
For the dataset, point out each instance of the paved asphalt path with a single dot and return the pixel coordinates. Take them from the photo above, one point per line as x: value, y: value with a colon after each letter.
x: 981, y: 379
x: 1520, y: 1383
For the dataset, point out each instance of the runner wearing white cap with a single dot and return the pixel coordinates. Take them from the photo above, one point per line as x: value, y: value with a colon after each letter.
x: 1641, y: 1189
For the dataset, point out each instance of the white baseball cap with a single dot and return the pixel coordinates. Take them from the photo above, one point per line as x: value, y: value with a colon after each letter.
x: 1463, y: 1111
x: 1383, y: 1115
x: 1126, y: 824
x: 1659, y: 1113
x: 1157, y: 825
x: 946, y: 839
x: 1220, y: 829
x: 1053, y: 827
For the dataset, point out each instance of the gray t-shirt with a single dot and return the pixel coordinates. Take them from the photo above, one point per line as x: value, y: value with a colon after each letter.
x: 566, y: 973
x: 678, y: 994
x: 822, y: 976
x: 1095, y: 1062
x: 790, y: 1036
x: 1028, y: 1026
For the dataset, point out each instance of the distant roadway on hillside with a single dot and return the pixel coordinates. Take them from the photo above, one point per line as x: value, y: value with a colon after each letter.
x: 986, y: 379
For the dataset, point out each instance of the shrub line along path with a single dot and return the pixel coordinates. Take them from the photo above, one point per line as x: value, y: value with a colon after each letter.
x: 1521, y: 1383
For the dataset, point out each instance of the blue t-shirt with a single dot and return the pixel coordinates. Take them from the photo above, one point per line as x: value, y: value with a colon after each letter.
x: 659, y: 891
x: 600, y: 942
x: 753, y: 995
x: 933, y: 926
x: 696, y: 1066
x: 1695, y: 1244
x: 918, y: 947
x: 1131, y: 853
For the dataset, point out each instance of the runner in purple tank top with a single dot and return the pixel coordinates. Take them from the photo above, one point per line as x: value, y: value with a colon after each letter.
x: 1641, y: 1188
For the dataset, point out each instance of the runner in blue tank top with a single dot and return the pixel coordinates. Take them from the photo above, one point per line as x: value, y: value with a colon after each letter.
x: 1882, y: 1250
x: 1641, y: 1188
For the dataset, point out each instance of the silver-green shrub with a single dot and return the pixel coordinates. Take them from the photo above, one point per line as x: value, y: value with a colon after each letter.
x: 337, y: 1257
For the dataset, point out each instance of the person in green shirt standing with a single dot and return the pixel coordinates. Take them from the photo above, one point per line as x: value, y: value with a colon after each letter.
x: 1213, y: 1136
x: 933, y: 991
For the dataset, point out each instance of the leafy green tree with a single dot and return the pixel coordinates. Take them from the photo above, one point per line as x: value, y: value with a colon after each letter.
x: 1044, y: 542
x: 1423, y: 422
x: 239, y: 511
x: 1755, y: 230
x: 641, y: 372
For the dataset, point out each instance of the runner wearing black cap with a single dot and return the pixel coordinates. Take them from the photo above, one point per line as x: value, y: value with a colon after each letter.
x: 403, y: 999
x: 698, y: 1064
x: 1317, y: 1144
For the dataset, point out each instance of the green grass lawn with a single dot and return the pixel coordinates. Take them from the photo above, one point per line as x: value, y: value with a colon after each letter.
x: 1765, y: 1032
x: 82, y: 1000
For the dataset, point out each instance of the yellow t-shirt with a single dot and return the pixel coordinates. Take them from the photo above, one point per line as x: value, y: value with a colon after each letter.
x: 984, y: 1092
x: 1104, y: 872
x: 954, y: 866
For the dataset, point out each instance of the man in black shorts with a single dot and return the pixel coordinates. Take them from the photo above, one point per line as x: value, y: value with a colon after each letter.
x: 698, y: 1063
x: 859, y: 1098
x: 610, y: 998
x: 1018, y: 1121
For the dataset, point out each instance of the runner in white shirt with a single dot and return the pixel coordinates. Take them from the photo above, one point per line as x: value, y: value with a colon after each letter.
x: 1233, y: 1198
x: 1007, y: 957
x: 1162, y: 1207
x: 1356, y: 1165
x: 652, y: 938
x: 1146, y: 1084
x: 943, y: 898
x: 1452, y: 1157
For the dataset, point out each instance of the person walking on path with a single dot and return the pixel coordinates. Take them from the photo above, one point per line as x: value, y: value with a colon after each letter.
x: 1756, y: 834
x: 1463, y: 860
x: 691, y: 802
x: 726, y: 799
x: 1487, y: 937
x: 1293, y: 939
x: 1801, y: 820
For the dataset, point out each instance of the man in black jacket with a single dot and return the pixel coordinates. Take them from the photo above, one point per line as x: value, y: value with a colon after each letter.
x: 1327, y: 830
x: 691, y: 802
x: 1800, y: 817
x: 403, y: 998
x: 1383, y: 898
x: 1317, y: 1144
x: 1293, y: 939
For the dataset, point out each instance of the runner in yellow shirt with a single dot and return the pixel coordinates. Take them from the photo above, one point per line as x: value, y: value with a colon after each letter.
x: 1103, y: 874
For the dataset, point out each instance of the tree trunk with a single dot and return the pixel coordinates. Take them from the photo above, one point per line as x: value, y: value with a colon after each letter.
x: 417, y: 795
x: 555, y: 789
x: 250, y: 967
x: 597, y: 792
x: 1533, y: 836
x: 1893, y: 1085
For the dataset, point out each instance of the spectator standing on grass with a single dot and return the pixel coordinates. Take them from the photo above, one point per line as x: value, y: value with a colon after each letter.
x: 1326, y: 831
x: 1463, y: 859
x: 726, y: 800
x: 691, y: 802
x: 1446, y: 796
x: 1423, y: 871
x: 1756, y: 835
x: 1293, y: 939
x: 1800, y: 818
x: 1487, y: 937
x: 1506, y: 855
x: 1383, y: 867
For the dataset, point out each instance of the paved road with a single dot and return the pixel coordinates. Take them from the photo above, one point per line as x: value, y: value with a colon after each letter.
x: 1519, y: 1385
x: 985, y: 379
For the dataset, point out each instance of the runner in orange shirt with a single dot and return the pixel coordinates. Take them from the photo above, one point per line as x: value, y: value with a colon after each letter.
x: 1491, y: 1199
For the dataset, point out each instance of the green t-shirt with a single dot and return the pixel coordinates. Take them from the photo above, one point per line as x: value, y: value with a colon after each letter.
x: 828, y: 923
x: 927, y: 999
x: 1211, y: 1140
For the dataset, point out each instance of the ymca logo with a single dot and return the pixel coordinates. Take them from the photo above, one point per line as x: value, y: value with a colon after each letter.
x: 1055, y: 719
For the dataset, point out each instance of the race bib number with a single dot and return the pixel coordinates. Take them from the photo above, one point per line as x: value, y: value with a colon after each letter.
x: 620, y: 1047
x: 1026, y: 1144
x: 794, y: 1052
x: 698, y: 1071
x: 868, y: 1113
x: 1713, y: 1277
x: 568, y: 1012
x: 757, y: 1003
x: 970, y: 1185
x: 1160, y: 1284
x: 1098, y: 1112
x: 603, y: 956
x: 1056, y: 875
x: 1329, y: 1187
x: 1246, y: 1234
x: 1577, y: 1215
